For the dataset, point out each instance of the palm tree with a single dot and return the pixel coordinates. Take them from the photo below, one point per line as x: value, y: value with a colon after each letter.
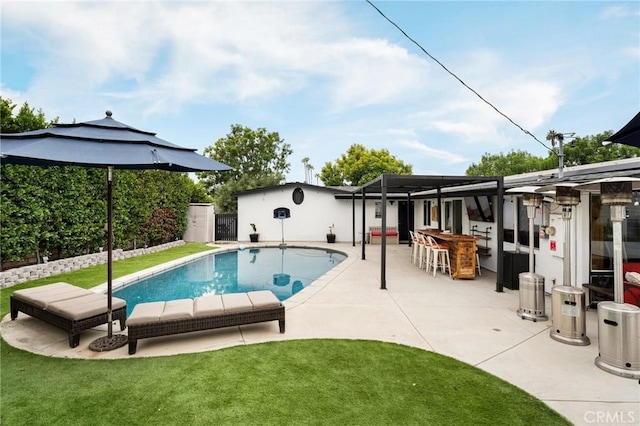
x: 552, y: 136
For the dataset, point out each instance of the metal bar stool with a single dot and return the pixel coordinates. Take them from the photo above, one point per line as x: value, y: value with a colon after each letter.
x: 440, y: 256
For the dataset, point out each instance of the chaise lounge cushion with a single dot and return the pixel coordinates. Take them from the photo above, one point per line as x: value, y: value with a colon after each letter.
x: 146, y: 312
x: 42, y: 296
x: 263, y: 299
x: 177, y: 309
x: 86, y: 306
x: 209, y: 305
x: 236, y: 302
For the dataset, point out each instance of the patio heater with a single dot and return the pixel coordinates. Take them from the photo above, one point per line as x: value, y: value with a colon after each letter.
x: 531, y: 285
x: 618, y: 322
x: 568, y: 309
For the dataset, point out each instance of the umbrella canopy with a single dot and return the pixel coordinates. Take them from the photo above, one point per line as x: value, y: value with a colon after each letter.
x: 101, y: 143
x: 104, y: 143
x: 629, y: 134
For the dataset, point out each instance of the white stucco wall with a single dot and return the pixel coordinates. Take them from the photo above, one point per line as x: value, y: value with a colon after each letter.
x: 548, y: 263
x: 310, y: 220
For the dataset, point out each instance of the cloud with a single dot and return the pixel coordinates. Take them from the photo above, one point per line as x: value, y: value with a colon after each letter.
x: 430, y: 153
x: 175, y: 54
x: 620, y: 11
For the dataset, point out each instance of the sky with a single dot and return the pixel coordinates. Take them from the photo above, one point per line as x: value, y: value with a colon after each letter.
x: 325, y: 75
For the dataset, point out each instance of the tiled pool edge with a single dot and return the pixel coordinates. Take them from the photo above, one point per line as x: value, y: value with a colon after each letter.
x: 303, y: 294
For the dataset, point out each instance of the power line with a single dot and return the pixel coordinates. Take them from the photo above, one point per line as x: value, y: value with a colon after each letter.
x: 457, y: 78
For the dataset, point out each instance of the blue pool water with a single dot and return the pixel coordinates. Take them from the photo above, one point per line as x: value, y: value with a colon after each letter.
x: 285, y: 271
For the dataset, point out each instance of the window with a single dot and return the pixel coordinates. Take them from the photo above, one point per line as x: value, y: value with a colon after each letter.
x: 298, y: 196
x: 602, y: 234
x: 378, y: 209
x: 509, y: 220
x: 426, y: 213
x: 523, y: 225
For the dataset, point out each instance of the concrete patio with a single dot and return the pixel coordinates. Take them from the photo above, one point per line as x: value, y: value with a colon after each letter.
x: 464, y: 319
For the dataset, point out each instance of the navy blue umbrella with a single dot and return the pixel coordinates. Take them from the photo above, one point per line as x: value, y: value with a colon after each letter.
x: 629, y: 134
x: 104, y: 143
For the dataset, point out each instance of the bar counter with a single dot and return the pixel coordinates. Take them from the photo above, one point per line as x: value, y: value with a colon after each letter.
x: 462, y: 252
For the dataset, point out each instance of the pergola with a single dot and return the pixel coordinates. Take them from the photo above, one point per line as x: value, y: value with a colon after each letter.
x: 420, y: 187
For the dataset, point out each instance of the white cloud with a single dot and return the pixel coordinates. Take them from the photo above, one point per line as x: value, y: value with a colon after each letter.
x: 179, y: 53
x: 620, y: 11
x: 430, y: 153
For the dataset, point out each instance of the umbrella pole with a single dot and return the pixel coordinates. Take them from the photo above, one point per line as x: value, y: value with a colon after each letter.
x: 110, y: 341
x: 109, y: 247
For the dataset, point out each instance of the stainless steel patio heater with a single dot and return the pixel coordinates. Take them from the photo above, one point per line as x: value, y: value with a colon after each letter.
x: 531, y: 285
x: 618, y: 322
x: 568, y: 309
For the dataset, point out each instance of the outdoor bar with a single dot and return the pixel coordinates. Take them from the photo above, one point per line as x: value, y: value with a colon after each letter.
x: 462, y: 252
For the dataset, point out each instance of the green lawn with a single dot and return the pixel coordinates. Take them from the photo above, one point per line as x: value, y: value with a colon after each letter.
x: 323, y: 382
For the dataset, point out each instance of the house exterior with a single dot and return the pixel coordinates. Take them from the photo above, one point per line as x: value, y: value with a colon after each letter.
x: 313, y: 210
x: 465, y: 210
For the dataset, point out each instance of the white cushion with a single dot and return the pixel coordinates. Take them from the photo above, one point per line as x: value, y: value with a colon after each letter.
x: 44, y: 295
x: 632, y: 277
x: 146, y: 312
x: 177, y: 309
x: 207, y: 306
x: 84, y: 307
x: 263, y: 299
x: 236, y: 302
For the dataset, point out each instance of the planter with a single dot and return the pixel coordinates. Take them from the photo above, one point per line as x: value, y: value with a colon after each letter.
x: 254, y: 237
x: 331, y: 238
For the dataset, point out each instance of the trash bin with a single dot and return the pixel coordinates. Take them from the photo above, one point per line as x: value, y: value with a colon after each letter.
x: 619, y: 339
x: 532, y: 304
x: 569, y: 315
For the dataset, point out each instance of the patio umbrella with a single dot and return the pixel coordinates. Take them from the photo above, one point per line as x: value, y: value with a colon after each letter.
x: 629, y: 134
x: 104, y: 143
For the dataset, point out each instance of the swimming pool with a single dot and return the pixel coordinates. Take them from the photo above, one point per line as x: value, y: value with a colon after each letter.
x: 285, y: 271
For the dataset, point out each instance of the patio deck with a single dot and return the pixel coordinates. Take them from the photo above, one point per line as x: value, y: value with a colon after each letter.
x: 464, y: 319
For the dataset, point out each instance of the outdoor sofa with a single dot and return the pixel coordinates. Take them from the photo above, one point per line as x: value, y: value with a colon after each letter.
x: 68, y: 307
x: 155, y: 319
x: 391, y: 234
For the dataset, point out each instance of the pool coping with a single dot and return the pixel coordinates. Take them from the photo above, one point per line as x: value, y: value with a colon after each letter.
x: 302, y: 296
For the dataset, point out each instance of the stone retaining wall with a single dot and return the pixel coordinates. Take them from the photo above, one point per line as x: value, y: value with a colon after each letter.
x: 33, y: 272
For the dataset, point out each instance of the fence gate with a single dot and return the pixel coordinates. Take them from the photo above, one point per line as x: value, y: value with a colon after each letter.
x: 226, y: 227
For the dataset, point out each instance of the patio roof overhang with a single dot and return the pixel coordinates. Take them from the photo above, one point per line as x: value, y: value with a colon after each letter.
x: 420, y: 186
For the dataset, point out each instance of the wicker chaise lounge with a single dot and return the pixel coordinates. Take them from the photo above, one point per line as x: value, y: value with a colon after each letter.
x: 68, y: 307
x: 207, y: 312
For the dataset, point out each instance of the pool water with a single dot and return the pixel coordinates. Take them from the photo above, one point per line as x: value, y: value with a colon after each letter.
x: 285, y: 271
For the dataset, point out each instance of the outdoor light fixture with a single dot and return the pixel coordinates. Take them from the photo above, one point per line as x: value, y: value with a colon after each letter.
x: 567, y: 302
x: 618, y: 322
x: 531, y: 285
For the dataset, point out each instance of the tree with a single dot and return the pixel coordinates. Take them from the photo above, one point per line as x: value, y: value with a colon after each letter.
x: 582, y: 150
x: 554, y: 136
x: 589, y: 150
x: 308, y: 170
x: 258, y: 158
x: 360, y: 165
x: 512, y: 163
x: 61, y: 211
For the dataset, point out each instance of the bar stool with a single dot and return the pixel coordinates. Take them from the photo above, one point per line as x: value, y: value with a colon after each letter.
x: 423, y: 250
x: 478, y: 263
x: 427, y: 253
x: 414, y: 247
x: 440, y: 256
